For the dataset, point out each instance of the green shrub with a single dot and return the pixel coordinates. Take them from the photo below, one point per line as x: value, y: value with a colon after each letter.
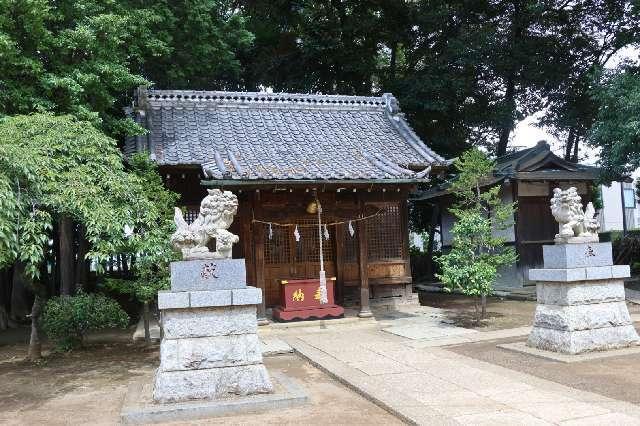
x: 141, y: 289
x: 67, y: 319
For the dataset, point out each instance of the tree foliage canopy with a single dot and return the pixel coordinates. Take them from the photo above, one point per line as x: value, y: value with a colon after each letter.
x: 86, y: 57
x: 465, y: 72
x: 617, y: 124
x: 59, y: 165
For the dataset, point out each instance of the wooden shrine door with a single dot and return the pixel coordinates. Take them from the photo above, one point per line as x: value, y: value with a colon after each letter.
x: 536, y: 227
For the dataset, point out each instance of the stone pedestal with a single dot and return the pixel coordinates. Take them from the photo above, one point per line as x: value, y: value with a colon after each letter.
x: 209, y: 347
x: 581, y: 301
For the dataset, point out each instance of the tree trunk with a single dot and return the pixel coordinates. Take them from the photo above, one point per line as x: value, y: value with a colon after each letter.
x: 5, y: 296
x: 569, y: 146
x: 518, y: 27
x: 35, y: 346
x: 81, y: 272
x: 576, y: 144
x: 145, y: 315
x: 477, y: 309
x: 392, y: 62
x: 125, y: 266
x: 66, y: 259
x: 483, y: 314
x: 4, y: 318
x: 507, y: 122
x: 19, y: 294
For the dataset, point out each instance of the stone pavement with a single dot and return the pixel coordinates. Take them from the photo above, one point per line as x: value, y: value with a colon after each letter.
x: 425, y: 384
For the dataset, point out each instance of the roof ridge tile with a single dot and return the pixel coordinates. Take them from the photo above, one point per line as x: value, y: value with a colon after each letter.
x: 154, y: 96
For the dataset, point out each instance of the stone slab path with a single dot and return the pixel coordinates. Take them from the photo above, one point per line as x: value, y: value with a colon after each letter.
x: 426, y: 384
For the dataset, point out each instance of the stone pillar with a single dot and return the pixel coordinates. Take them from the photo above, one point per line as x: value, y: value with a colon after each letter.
x: 209, y: 347
x: 581, y: 300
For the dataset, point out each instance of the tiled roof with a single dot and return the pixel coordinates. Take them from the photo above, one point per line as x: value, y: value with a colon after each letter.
x: 540, y: 159
x: 537, y: 163
x: 260, y: 136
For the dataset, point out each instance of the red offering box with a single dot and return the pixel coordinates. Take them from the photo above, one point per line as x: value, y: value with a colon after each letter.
x: 300, y: 300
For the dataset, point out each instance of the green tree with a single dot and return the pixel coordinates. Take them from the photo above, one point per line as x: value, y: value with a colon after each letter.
x: 477, y: 252
x: 592, y: 32
x: 86, y: 57
x: 616, y: 131
x: 465, y: 72
x: 313, y: 46
x: 205, y: 39
x: 59, y: 165
x: 149, y: 253
x: 74, y: 57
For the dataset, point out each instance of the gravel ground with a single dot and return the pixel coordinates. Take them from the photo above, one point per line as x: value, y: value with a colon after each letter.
x: 501, y: 313
x: 87, y: 386
x: 614, y: 377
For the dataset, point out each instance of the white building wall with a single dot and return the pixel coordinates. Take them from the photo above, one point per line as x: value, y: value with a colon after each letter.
x: 611, y: 214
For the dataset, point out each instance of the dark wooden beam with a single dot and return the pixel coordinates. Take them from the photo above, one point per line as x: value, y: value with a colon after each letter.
x: 363, y: 264
x: 258, y: 256
x: 339, y: 255
x: 246, y: 207
x: 67, y: 260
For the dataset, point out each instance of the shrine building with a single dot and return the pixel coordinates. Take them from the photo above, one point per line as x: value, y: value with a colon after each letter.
x: 527, y: 177
x: 279, y: 153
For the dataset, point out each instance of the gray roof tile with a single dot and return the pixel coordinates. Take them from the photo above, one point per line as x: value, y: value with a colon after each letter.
x: 249, y: 136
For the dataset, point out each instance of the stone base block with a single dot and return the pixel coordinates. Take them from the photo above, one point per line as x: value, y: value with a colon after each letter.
x: 561, y: 256
x: 209, y: 274
x: 214, y: 383
x: 139, y: 408
x: 209, y: 352
x: 522, y: 347
x: 581, y: 292
x: 576, y: 342
x: 582, y: 317
x: 580, y: 274
x: 208, y: 322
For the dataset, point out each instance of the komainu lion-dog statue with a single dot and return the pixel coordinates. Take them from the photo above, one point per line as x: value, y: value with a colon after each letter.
x: 575, y: 226
x: 216, y: 216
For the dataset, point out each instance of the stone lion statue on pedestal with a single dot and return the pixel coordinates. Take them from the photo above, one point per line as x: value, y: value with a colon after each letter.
x: 216, y: 216
x: 575, y: 225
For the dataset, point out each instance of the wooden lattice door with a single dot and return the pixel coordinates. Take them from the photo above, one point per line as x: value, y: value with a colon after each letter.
x: 286, y: 258
x: 306, y: 255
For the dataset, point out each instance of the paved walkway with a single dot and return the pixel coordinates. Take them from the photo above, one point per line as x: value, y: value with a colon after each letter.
x: 399, y: 361
x: 426, y: 384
